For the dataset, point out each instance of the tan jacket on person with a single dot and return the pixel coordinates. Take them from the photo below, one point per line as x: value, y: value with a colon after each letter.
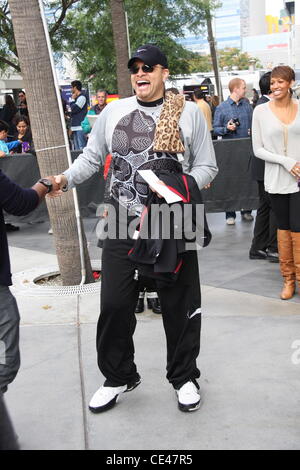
x: 205, y: 108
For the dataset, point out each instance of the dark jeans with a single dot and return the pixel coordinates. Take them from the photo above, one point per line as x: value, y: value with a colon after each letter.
x: 9, y: 337
x: 233, y: 214
x: 265, y: 229
x: 287, y: 210
x: 117, y: 321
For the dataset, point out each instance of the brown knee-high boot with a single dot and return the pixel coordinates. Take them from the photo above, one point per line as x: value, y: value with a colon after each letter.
x: 286, y: 260
x: 296, y: 253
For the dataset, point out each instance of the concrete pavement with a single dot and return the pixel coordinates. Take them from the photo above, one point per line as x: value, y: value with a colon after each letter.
x: 250, y: 371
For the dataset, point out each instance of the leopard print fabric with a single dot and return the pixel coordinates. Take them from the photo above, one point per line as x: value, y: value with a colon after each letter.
x: 167, y: 137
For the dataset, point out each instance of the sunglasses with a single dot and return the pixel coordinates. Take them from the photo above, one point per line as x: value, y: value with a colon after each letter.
x: 145, y: 68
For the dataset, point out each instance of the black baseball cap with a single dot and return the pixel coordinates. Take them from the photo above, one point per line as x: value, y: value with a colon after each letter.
x: 150, y: 55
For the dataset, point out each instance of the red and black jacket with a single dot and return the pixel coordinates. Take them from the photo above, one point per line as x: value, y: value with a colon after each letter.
x: 160, y: 257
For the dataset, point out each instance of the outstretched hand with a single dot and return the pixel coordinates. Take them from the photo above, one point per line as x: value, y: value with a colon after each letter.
x: 58, y: 182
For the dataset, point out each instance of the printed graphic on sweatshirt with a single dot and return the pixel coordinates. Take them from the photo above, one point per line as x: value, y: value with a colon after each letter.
x: 132, y: 150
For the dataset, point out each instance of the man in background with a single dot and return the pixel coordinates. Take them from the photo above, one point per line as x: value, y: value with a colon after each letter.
x: 78, y: 112
x: 22, y: 107
x: 101, y: 96
x: 199, y: 98
x: 232, y: 120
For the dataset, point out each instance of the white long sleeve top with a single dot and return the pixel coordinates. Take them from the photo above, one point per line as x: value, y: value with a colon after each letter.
x: 279, y: 145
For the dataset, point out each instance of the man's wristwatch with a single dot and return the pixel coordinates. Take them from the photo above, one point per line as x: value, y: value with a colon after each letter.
x: 46, y: 183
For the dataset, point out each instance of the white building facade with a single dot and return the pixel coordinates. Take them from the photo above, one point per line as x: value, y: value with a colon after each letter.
x: 280, y: 43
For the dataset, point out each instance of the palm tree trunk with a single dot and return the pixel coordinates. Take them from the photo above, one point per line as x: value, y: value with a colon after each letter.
x: 47, y: 132
x: 213, y: 53
x: 121, y: 47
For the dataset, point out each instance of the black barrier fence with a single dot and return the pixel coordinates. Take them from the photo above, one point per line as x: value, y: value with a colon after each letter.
x: 232, y: 189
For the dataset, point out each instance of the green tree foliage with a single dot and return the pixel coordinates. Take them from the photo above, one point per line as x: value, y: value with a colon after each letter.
x: 161, y: 22
x: 57, y: 10
x: 8, y: 52
x: 154, y: 21
x: 82, y: 28
x: 200, y: 63
x: 87, y: 37
x: 233, y: 57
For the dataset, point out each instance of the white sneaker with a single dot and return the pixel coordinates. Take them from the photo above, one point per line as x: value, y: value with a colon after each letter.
x: 188, y: 397
x: 105, y: 398
x: 50, y: 231
x: 247, y: 217
x: 230, y: 221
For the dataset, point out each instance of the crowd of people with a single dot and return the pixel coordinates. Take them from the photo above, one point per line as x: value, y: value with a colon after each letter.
x: 16, y: 135
x: 173, y: 138
x: 15, y: 132
x: 76, y: 112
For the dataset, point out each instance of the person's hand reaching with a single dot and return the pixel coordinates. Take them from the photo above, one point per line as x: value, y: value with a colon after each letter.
x: 59, y: 182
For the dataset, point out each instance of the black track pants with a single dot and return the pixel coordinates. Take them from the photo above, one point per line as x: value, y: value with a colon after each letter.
x: 265, y: 229
x: 181, y: 318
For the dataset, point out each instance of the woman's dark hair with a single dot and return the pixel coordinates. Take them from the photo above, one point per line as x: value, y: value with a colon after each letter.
x: 24, y: 119
x: 9, y: 102
x: 283, y: 71
x: 4, y: 126
x: 215, y: 100
x: 264, y: 83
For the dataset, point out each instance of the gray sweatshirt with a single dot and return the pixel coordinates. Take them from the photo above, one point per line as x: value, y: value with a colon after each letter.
x: 126, y: 130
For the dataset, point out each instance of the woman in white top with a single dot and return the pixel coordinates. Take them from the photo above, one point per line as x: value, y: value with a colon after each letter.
x: 276, y: 139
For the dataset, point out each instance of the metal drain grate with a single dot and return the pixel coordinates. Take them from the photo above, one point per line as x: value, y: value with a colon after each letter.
x: 24, y: 283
